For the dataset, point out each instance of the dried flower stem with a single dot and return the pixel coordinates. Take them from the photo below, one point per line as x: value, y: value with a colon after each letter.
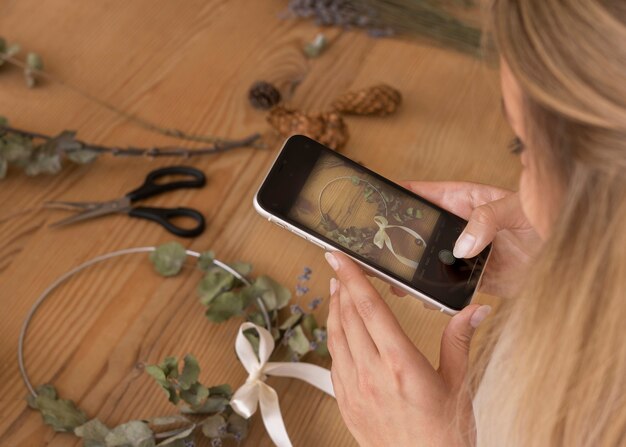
x: 170, y: 132
x: 218, y: 146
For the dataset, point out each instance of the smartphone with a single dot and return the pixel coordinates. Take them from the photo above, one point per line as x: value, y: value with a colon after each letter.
x: 338, y: 204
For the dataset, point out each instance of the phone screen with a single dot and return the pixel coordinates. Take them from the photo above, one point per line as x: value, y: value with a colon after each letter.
x: 371, y: 218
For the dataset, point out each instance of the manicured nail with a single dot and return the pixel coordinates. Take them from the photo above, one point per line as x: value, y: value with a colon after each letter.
x: 463, y: 245
x: 479, y: 315
x: 333, y: 286
x: 332, y: 261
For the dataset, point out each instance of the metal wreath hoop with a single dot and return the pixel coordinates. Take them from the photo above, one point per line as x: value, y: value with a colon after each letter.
x: 61, y: 279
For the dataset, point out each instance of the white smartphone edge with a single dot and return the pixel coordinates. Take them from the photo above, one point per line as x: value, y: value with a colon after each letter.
x: 428, y: 301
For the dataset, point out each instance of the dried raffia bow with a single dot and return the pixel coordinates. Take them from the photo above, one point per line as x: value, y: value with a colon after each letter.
x: 381, y: 238
x: 255, y: 392
x: 329, y: 127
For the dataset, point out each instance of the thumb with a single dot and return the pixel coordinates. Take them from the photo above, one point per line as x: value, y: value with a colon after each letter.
x: 485, y: 221
x: 455, y: 343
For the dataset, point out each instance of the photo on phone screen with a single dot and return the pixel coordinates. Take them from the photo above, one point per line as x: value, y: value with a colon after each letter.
x: 374, y: 220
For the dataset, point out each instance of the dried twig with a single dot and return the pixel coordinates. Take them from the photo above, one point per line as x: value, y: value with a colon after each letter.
x: 66, y: 143
x: 170, y: 132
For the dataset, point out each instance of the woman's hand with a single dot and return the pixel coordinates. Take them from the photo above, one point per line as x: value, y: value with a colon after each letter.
x: 387, y: 391
x: 493, y: 215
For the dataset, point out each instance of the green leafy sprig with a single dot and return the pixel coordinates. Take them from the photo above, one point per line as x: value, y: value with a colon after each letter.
x: 37, y: 153
x: 202, y: 410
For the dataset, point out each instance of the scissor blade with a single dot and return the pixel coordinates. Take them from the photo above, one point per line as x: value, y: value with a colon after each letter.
x: 114, y: 206
x: 57, y: 204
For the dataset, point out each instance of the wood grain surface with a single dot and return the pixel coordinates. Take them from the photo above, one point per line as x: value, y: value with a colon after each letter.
x: 188, y: 65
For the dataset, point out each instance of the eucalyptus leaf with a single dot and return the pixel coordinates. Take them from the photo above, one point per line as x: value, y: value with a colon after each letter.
x: 190, y: 372
x: 168, y: 259
x: 225, y: 306
x: 205, y: 261
x: 275, y: 296
x: 82, y: 156
x: 195, y: 395
x: 224, y: 390
x: 157, y: 373
x: 60, y: 414
x: 34, y: 61
x: 12, y: 49
x: 160, y: 376
x: 169, y: 420
x: 172, y: 440
x: 215, y: 404
x: 3, y: 168
x: 256, y: 318
x: 16, y: 148
x: 309, y: 324
x: 290, y: 321
x: 130, y: 434
x: 43, y: 163
x: 93, y: 432
x: 237, y: 426
x: 169, y: 365
x: 213, y: 426
x: 214, y: 282
x: 355, y: 180
x: 298, y: 341
x: 243, y: 268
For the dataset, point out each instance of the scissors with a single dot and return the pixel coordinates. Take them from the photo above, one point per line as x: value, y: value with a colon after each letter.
x: 192, y: 178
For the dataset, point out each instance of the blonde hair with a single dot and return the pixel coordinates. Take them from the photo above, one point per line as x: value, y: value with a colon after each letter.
x: 554, y: 369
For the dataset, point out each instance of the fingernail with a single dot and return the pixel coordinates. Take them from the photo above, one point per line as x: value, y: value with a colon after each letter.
x: 333, y: 286
x: 463, y: 245
x: 332, y: 261
x: 479, y: 315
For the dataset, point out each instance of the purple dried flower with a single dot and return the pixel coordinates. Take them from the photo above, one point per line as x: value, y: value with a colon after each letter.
x: 315, y: 302
x: 313, y: 345
x: 320, y: 335
x: 216, y: 442
x: 301, y: 290
x: 306, y: 274
x: 296, y: 309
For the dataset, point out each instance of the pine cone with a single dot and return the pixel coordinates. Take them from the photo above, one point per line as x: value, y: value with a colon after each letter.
x: 379, y: 100
x: 263, y: 95
x: 328, y: 128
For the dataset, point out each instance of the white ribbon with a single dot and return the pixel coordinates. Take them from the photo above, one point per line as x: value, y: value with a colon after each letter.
x: 382, y: 238
x: 256, y: 391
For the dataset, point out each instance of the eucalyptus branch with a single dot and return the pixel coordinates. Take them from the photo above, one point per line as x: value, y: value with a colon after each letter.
x: 38, y: 153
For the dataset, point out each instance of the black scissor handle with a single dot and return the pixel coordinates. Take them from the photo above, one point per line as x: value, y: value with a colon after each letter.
x: 164, y: 217
x: 194, y: 179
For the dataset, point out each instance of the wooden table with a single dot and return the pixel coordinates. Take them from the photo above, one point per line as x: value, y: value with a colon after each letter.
x: 188, y: 65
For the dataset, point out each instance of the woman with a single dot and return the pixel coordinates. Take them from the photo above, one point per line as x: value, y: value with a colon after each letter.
x: 554, y: 371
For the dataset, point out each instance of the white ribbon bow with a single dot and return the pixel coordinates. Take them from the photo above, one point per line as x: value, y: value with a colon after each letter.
x: 382, y: 238
x: 256, y: 391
